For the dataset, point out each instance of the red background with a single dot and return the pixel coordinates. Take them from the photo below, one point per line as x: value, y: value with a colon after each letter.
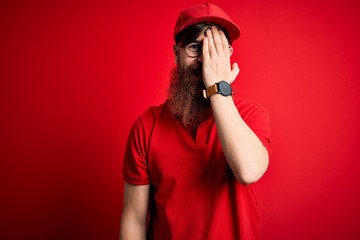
x: 75, y: 75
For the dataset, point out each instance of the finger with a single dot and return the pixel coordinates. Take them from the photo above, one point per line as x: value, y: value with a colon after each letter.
x: 205, y: 48
x: 224, y: 41
x: 217, y: 40
x: 211, y: 45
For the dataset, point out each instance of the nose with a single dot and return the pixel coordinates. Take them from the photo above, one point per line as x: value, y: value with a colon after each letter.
x: 200, y: 58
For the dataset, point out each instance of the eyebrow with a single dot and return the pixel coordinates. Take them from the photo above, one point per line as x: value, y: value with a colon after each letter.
x: 196, y: 41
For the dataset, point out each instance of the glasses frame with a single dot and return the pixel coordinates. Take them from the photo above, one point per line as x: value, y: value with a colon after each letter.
x: 190, y: 53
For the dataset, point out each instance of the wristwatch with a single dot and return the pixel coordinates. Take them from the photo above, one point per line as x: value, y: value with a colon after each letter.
x: 221, y: 87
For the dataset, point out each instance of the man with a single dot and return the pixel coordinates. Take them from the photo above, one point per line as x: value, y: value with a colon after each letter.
x: 190, y: 163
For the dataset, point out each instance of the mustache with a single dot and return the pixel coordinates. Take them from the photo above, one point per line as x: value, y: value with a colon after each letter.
x: 195, y: 68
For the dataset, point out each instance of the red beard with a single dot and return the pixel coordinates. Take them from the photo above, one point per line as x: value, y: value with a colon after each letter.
x: 186, y: 101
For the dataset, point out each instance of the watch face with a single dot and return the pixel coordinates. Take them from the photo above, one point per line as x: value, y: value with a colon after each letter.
x: 224, y: 88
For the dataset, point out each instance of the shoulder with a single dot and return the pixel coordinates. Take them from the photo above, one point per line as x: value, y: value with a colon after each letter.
x: 248, y: 107
x: 142, y: 128
x: 152, y: 113
x: 149, y: 117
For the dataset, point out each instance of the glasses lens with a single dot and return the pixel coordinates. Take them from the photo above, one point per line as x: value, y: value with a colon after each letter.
x: 193, y: 49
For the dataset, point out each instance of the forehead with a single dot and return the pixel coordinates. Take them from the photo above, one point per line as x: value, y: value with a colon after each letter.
x: 201, y: 37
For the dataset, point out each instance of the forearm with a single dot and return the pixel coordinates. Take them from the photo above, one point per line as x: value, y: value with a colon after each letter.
x: 246, y: 155
x: 130, y: 230
x: 135, y: 211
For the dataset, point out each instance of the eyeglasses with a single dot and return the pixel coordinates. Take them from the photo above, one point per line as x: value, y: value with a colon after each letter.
x: 193, y: 49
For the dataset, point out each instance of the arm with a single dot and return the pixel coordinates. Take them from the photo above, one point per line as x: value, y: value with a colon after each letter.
x: 135, y: 211
x: 246, y: 155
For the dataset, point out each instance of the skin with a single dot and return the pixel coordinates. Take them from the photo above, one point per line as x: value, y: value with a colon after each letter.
x: 246, y: 155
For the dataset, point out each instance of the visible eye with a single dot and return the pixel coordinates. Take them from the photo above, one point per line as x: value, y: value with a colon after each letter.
x: 194, y: 47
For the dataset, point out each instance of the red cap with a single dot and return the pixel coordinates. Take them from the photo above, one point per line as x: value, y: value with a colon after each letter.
x: 206, y: 12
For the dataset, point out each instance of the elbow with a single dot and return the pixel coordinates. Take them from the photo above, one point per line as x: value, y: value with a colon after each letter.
x: 247, y: 180
x: 252, y: 174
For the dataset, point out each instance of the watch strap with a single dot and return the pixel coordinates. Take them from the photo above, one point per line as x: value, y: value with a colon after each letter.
x: 208, y: 92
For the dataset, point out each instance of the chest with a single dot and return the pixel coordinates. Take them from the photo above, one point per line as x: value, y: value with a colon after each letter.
x: 178, y: 158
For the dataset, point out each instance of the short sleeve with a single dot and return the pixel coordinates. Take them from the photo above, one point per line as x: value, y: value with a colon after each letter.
x: 135, y: 167
x: 258, y: 119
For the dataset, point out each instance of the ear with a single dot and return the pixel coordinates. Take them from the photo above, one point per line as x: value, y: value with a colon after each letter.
x: 231, y: 50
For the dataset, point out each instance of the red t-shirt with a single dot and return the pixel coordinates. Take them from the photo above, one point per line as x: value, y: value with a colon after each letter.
x: 194, y: 194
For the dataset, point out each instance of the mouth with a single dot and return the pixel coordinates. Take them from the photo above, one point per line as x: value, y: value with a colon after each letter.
x: 197, y: 71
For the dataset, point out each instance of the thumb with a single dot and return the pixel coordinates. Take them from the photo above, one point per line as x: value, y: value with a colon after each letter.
x: 234, y: 71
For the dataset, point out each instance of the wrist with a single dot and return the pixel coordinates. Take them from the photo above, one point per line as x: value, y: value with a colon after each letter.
x: 222, y: 88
